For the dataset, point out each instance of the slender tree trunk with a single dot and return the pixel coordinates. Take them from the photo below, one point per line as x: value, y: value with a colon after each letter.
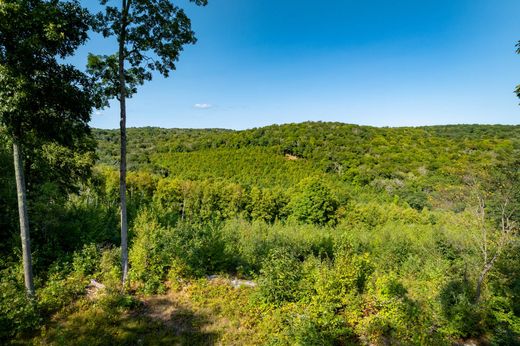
x: 122, y: 168
x: 183, y: 207
x: 24, y: 218
x: 485, y: 270
x: 480, y: 281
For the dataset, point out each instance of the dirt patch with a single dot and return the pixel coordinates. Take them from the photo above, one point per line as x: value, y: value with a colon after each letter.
x: 199, y: 308
x: 178, y: 317
x: 290, y: 157
x: 161, y: 308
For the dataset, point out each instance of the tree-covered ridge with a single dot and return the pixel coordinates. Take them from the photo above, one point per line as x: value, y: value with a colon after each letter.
x: 331, y: 143
x: 425, y: 165
x: 253, y: 166
x: 142, y: 142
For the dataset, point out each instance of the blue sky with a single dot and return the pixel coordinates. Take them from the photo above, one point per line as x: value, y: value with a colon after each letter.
x: 382, y: 63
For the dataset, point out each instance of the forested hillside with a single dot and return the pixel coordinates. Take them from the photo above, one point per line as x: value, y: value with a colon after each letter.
x: 347, y: 234
x: 421, y: 165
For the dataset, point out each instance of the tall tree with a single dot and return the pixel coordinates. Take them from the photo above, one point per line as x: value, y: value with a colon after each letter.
x: 41, y: 99
x: 497, y: 214
x: 150, y: 36
x: 517, y: 89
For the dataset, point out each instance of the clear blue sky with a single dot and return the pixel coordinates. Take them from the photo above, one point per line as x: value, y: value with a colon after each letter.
x: 382, y: 63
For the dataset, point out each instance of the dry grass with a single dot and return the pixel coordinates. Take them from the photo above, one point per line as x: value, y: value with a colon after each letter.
x: 199, y: 313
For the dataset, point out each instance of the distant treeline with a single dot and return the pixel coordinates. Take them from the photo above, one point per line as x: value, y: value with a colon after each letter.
x: 424, y: 166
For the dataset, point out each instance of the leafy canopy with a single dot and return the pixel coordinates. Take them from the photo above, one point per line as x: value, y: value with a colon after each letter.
x: 39, y: 95
x: 152, y: 33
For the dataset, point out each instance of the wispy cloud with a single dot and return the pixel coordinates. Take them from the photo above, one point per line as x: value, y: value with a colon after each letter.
x: 202, y: 105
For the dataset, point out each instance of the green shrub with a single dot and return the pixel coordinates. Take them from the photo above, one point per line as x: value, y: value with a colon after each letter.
x: 339, y: 283
x: 267, y: 205
x: 202, y: 248
x: 315, y: 204
x: 279, y: 279
x: 61, y: 288
x: 115, y: 302
x: 86, y: 261
x: 247, y: 244
x: 391, y: 317
x: 150, y: 253
x: 197, y: 249
x: 110, y: 268
x: 462, y: 316
x: 18, y: 313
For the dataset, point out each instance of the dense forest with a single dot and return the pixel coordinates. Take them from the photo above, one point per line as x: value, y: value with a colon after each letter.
x: 311, y: 234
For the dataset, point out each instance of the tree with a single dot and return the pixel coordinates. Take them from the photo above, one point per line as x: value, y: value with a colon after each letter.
x: 41, y: 100
x: 497, y: 214
x: 517, y: 89
x: 150, y: 36
x: 315, y: 204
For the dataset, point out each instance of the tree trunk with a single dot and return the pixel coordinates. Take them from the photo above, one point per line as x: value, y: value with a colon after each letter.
x: 24, y: 218
x: 122, y: 167
x: 482, y: 277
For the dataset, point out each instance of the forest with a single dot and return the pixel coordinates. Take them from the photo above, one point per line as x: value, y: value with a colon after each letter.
x: 340, y: 234
x: 304, y: 233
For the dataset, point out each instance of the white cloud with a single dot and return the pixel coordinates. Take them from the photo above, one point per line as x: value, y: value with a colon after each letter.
x: 98, y: 112
x: 202, y: 105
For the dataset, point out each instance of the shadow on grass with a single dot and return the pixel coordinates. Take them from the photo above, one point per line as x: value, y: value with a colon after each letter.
x: 160, y: 322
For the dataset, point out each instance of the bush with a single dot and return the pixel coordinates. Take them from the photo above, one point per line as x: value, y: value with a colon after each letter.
x: 315, y: 204
x: 61, y: 288
x: 279, y: 279
x: 462, y: 316
x: 202, y: 248
x: 192, y: 250
x: 110, y: 268
x: 86, y: 261
x: 248, y: 244
x: 18, y: 313
x: 391, y: 317
x: 150, y: 253
x: 340, y: 283
x: 267, y: 205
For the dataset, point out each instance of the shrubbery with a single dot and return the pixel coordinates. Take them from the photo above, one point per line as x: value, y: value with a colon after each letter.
x: 65, y: 282
x: 363, y: 237
x: 18, y: 313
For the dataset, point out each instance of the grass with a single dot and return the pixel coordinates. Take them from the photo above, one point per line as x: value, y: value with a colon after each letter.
x: 198, y: 313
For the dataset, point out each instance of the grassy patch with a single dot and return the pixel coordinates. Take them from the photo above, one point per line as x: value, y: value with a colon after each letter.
x: 198, y: 313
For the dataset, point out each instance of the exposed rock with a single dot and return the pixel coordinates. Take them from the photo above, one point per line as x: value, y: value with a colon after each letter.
x: 236, y: 283
x: 93, y: 288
